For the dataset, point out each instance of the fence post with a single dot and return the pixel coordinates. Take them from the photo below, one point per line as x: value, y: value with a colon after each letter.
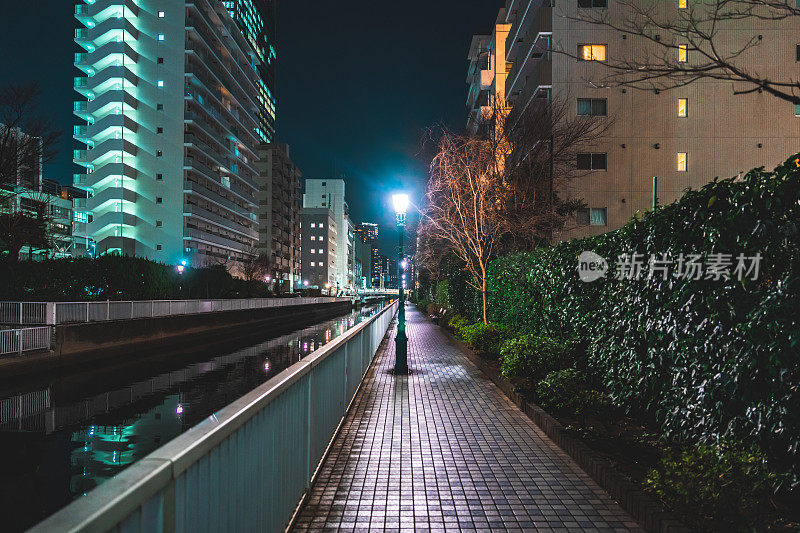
x: 20, y: 313
x: 19, y: 342
x: 50, y: 314
x: 108, y: 309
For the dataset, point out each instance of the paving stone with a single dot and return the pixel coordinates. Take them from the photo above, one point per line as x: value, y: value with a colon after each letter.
x: 444, y: 450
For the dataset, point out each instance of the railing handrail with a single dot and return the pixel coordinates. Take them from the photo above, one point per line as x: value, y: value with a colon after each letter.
x: 108, y: 505
x: 36, y: 313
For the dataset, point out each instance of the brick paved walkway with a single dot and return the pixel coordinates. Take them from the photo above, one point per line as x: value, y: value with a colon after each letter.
x: 445, y: 450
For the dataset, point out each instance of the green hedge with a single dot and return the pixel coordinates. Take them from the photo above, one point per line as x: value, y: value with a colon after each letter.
x: 707, y: 360
x: 114, y: 277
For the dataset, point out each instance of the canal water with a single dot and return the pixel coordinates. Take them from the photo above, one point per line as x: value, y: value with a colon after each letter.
x: 61, y: 438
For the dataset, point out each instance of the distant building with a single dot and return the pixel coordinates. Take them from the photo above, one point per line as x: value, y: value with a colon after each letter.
x: 57, y: 211
x: 279, y: 213
x: 329, y: 194
x: 170, y: 116
x: 319, y: 247
x: 369, y: 235
x: 362, y: 264
x: 392, y: 280
x: 20, y: 159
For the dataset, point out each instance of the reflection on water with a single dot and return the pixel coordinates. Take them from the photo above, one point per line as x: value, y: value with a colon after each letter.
x: 61, y: 441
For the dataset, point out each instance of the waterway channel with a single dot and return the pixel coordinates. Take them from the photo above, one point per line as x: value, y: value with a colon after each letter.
x: 64, y: 435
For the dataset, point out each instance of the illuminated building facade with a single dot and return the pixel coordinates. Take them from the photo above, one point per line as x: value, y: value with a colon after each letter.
x: 685, y: 137
x: 486, y: 76
x: 256, y: 19
x: 320, y: 245
x: 368, y: 233
x: 169, y: 116
x: 329, y: 194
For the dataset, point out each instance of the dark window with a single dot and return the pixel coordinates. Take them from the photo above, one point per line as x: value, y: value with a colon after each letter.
x: 159, y: 153
x: 592, y: 106
x: 591, y: 161
x: 592, y: 3
x: 159, y: 200
x: 159, y: 107
x: 583, y: 217
x: 797, y: 52
x: 324, y: 184
x: 159, y: 177
x: 159, y: 130
x: 158, y: 223
x: 158, y: 246
x: 160, y: 60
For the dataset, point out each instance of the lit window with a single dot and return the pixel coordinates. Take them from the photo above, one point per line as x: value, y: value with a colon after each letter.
x: 797, y: 110
x: 226, y: 181
x: 682, y: 162
x: 322, y: 237
x: 681, y: 4
x: 313, y: 263
x: 160, y: 36
x: 313, y: 251
x: 160, y: 83
x: 313, y: 238
x: 321, y: 251
x: 594, y: 216
x: 313, y: 225
x: 592, y: 52
x: 321, y: 225
x: 161, y: 14
x: 683, y: 53
x: 683, y: 105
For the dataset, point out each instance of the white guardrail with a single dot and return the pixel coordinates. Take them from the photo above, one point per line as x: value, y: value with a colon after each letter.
x: 16, y: 341
x: 52, y: 313
x: 246, y: 467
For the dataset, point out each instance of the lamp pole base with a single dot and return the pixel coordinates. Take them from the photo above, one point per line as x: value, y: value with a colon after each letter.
x: 401, y: 354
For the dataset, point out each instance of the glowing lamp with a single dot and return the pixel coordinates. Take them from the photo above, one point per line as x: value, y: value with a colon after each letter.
x: 400, y: 202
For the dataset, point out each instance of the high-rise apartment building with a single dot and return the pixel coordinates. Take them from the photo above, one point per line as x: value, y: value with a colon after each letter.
x: 486, y: 75
x: 170, y: 120
x: 279, y: 211
x: 685, y: 137
x: 256, y: 19
x: 329, y: 194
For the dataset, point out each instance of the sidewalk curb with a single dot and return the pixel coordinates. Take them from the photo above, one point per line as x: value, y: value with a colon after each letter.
x: 642, y: 507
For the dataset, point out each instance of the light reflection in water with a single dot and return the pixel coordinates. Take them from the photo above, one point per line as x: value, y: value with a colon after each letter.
x: 89, y: 439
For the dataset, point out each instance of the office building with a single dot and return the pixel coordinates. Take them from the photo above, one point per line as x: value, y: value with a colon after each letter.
x: 279, y: 211
x: 362, y: 253
x: 685, y: 137
x: 169, y: 115
x: 319, y: 248
x: 369, y: 234
x: 329, y: 194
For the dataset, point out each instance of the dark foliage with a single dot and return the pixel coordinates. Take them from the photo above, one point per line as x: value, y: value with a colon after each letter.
x: 706, y: 360
x: 114, y: 277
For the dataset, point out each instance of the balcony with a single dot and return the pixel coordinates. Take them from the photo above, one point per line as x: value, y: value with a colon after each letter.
x: 109, y: 170
x: 113, y: 219
x: 109, y: 197
x: 190, y: 210
x: 89, y: 14
x: 535, y: 17
x: 205, y: 237
x: 534, y: 68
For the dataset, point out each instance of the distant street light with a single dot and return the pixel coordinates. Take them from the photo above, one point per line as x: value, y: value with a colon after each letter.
x: 401, y: 202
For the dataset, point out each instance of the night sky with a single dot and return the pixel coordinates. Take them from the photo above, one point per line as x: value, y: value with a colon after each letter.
x: 357, y: 84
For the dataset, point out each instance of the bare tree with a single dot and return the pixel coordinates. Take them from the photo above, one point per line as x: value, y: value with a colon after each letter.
x: 673, y: 48
x: 27, y: 139
x: 544, y: 141
x: 465, y: 199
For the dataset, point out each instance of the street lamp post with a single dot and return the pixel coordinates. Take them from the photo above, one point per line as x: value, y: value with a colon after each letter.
x: 401, y: 340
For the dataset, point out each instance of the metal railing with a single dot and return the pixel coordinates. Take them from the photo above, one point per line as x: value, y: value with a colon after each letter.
x: 53, y: 313
x: 21, y: 340
x: 246, y: 467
